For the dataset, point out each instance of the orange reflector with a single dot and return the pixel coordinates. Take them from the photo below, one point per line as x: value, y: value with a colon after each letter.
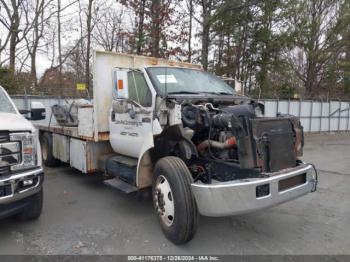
x: 153, y: 61
x: 120, y: 84
x: 27, y: 150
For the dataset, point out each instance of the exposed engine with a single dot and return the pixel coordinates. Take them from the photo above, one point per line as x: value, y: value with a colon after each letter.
x: 236, y: 137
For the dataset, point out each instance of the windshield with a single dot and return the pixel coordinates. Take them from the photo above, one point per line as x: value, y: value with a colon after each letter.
x: 5, y: 104
x: 187, y: 81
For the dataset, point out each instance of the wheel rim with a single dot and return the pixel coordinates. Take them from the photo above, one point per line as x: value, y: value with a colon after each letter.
x: 44, y: 150
x: 164, y: 201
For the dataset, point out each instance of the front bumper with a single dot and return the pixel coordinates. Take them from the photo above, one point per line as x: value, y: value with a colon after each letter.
x: 240, y: 196
x: 14, y: 188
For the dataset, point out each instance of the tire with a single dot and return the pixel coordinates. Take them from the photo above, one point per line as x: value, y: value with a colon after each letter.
x: 33, y: 211
x: 47, y: 150
x: 176, y: 209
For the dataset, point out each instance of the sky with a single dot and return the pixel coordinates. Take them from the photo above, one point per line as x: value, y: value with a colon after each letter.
x: 71, y: 32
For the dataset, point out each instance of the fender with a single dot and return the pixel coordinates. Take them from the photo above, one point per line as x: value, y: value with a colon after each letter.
x: 144, y: 171
x: 173, y: 135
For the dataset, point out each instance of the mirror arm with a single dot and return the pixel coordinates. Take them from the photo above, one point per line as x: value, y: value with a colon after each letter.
x: 23, y: 111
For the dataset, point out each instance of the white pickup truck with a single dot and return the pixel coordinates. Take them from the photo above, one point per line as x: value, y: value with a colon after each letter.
x: 185, y: 133
x: 21, y: 172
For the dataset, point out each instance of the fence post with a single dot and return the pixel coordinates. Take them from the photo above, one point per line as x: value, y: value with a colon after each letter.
x: 321, y: 116
x: 329, y: 116
x: 310, y: 118
x: 26, y: 106
x: 347, y: 123
x: 339, y: 115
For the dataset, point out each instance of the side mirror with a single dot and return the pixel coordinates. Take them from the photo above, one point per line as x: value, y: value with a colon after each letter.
x: 120, y: 106
x: 37, y: 111
x: 25, y: 113
x: 132, y: 112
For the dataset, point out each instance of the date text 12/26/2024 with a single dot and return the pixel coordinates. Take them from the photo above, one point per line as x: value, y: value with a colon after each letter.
x: 173, y: 258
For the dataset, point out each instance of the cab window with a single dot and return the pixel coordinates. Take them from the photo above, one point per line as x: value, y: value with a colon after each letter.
x: 138, y: 89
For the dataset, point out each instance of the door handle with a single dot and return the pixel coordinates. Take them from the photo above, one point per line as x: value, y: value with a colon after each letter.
x: 113, y: 116
x: 146, y: 120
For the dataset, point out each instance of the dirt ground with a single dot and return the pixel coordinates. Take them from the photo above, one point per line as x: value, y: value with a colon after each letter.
x: 83, y: 216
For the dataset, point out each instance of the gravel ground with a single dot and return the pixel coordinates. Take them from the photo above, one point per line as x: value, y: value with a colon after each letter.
x: 83, y: 216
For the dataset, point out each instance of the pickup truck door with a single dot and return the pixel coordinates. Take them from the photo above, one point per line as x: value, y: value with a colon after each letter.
x: 131, y: 114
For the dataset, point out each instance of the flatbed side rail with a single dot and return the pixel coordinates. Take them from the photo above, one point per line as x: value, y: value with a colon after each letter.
x: 72, y: 132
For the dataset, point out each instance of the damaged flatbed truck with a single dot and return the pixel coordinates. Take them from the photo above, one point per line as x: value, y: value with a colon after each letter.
x: 182, y: 131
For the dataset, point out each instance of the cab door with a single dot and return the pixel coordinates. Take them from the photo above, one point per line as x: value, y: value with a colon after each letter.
x: 131, y: 113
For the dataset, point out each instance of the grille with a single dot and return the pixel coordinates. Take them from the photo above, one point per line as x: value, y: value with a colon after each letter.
x: 4, y: 136
x: 291, y: 182
x: 275, y: 143
x: 5, y: 171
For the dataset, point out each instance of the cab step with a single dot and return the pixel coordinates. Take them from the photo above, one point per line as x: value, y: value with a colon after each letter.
x: 125, y: 160
x: 123, y: 168
x: 120, y: 185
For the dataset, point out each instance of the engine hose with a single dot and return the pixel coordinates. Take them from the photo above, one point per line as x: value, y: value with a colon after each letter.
x: 229, y: 143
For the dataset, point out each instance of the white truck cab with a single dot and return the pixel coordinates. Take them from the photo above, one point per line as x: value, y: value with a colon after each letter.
x: 21, y: 172
x: 183, y: 132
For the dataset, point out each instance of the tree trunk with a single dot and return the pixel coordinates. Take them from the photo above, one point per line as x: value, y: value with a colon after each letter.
x: 140, y: 29
x: 206, y: 9
x: 13, y: 52
x: 205, y: 45
x: 39, y: 12
x: 33, y: 76
x: 59, y: 46
x: 312, y: 50
x: 88, y: 46
x: 189, y: 57
x: 155, y: 28
x: 14, y: 35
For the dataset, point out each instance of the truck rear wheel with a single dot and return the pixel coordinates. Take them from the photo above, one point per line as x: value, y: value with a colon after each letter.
x: 47, y: 150
x: 174, y: 201
x: 33, y: 211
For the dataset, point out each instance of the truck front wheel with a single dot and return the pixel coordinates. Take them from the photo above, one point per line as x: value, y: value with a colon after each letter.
x: 174, y: 201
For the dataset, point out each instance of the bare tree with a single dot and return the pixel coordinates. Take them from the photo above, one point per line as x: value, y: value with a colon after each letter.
x: 7, y: 23
x: 314, y: 41
x: 208, y: 7
x: 59, y: 44
x: 39, y: 19
x: 89, y: 28
x: 190, y: 8
x: 140, y: 27
x: 13, y: 10
x: 109, y: 30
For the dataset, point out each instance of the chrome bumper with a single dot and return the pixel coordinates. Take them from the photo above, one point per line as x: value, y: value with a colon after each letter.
x: 239, y: 196
x: 18, y: 192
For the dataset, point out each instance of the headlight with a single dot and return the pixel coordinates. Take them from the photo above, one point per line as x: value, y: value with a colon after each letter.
x: 10, y: 154
x: 28, y: 146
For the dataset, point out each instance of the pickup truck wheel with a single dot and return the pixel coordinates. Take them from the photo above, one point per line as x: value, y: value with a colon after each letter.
x: 174, y: 201
x: 47, y: 150
x: 33, y: 211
